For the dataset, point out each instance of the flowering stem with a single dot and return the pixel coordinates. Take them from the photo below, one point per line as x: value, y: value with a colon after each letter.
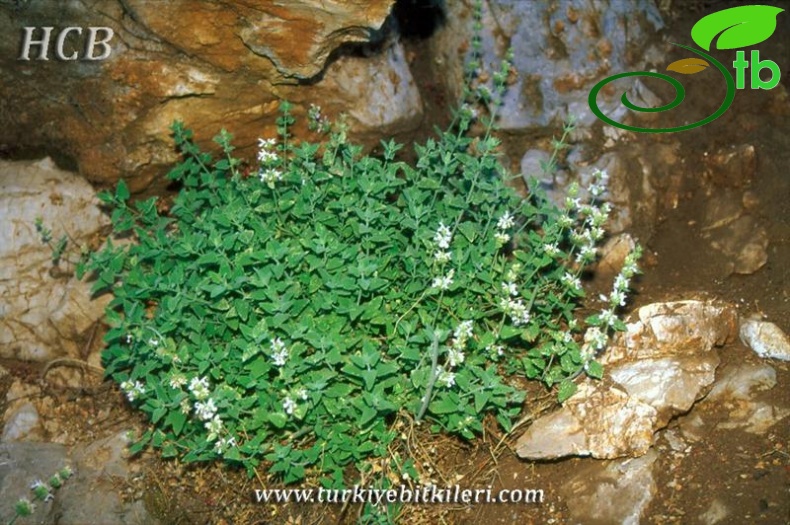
x: 434, y: 368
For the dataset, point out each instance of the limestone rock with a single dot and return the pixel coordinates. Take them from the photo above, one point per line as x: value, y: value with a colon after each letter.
x: 735, y: 233
x: 618, y: 493
x: 656, y: 370
x: 675, y: 328
x: 45, y: 311
x: 737, y: 391
x: 597, y: 422
x: 561, y: 49
x: 766, y: 339
x: 212, y: 65
x: 671, y: 384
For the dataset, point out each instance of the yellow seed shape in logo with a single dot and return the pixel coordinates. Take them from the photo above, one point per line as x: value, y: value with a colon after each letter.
x: 688, y: 66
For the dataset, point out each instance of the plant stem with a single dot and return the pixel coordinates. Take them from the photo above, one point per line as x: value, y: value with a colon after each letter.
x: 434, y: 366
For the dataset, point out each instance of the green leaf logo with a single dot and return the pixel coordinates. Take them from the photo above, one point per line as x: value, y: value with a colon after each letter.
x: 736, y: 27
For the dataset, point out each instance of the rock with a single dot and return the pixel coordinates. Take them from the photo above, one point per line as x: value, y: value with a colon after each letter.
x: 23, y: 463
x: 765, y: 339
x: 733, y: 167
x: 598, y: 422
x: 104, y: 468
x: 675, y: 328
x: 212, y: 65
x: 45, y: 311
x: 22, y: 424
x: 736, y: 391
x: 731, y: 231
x: 717, y: 511
x: 671, y: 385
x: 613, y: 254
x: 561, y: 50
x: 656, y: 370
x: 618, y: 493
x: 743, y: 241
x: 90, y: 495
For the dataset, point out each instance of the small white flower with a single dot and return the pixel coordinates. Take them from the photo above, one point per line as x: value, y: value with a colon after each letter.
x: 448, y: 378
x: 133, y: 390
x: 184, y: 406
x: 214, y: 427
x: 442, y: 256
x: 444, y: 282
x: 223, y: 444
x: 455, y: 357
x: 129, y: 339
x: 177, y: 381
x: 496, y: 349
x: 586, y: 253
x: 463, y: 331
x: 551, y: 249
x: 617, y: 298
x: 279, y: 352
x: 443, y: 236
x: 621, y: 283
x: 502, y: 238
x: 510, y: 288
x: 505, y: 221
x: 301, y: 394
x: 270, y: 176
x: 207, y: 410
x: 289, y: 405
x: 199, y: 388
x: 153, y: 342
x: 572, y: 282
x: 595, y: 338
x: 609, y: 317
x: 565, y: 221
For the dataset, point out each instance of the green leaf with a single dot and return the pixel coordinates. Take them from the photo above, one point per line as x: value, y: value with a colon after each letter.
x: 122, y: 191
x: 594, y: 369
x: 176, y: 420
x: 468, y: 230
x: 736, y: 27
x: 566, y: 389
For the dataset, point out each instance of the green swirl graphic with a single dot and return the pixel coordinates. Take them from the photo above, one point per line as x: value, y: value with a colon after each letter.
x: 680, y: 94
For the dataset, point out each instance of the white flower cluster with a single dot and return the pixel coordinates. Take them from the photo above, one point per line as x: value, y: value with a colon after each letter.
x: 514, y: 307
x: 442, y: 255
x: 590, y: 231
x: 289, y: 403
x: 595, y: 340
x: 267, y: 158
x: 199, y: 388
x: 133, y: 390
x: 279, y: 352
x: 205, y: 409
x: 504, y: 224
x: 443, y: 282
x: 620, y: 288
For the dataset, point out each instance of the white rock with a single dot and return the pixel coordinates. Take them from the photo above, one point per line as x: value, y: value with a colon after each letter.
x: 766, y: 339
x: 618, y: 493
x: 601, y: 422
x: 22, y: 424
x: 43, y: 317
x: 658, y: 369
x: 737, y: 390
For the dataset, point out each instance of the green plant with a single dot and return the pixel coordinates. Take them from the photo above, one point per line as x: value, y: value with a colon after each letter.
x: 41, y: 492
x: 294, y: 313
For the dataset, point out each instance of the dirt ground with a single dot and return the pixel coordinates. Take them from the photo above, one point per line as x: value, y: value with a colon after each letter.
x: 749, y: 473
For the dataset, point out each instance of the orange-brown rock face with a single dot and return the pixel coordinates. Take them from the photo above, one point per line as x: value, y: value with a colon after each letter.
x: 211, y: 64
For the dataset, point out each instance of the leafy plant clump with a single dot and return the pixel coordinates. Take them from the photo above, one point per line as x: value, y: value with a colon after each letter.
x: 292, y: 314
